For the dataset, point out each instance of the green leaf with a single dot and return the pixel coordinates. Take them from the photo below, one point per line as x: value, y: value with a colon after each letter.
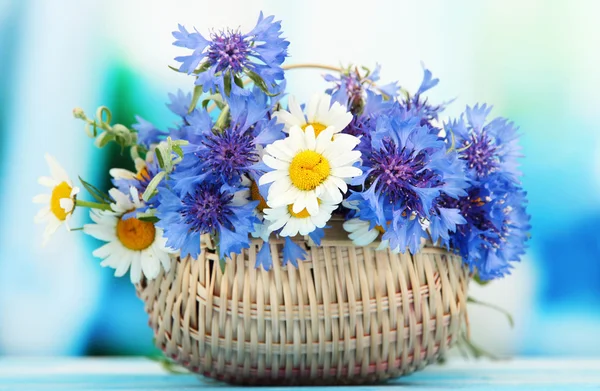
x: 258, y: 81
x: 161, y: 161
x: 177, y: 149
x: 175, y: 69
x: 195, y: 98
x: 238, y: 81
x: 222, y: 264
x: 149, y: 219
x: 151, y: 188
x: 96, y: 193
x: 494, y: 307
x: 227, y: 83
x: 203, y: 68
x: 476, y: 277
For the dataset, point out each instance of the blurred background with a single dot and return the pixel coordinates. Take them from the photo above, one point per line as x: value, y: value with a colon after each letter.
x: 537, y: 62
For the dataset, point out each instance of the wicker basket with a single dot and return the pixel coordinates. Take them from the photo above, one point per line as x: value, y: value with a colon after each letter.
x: 347, y: 315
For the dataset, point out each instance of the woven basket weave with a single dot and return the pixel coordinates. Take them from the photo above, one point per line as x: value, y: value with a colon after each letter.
x: 347, y: 315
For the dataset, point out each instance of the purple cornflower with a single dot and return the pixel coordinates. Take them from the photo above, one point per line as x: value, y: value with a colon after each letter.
x: 351, y: 87
x: 487, y: 148
x: 496, y: 228
x: 407, y: 169
x: 229, y: 54
x: 207, y: 208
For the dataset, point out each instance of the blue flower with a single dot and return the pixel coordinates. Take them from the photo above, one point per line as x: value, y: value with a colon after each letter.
x: 229, y: 54
x: 364, y: 124
x: 292, y: 253
x: 496, y: 228
x: 487, y: 148
x: 206, y: 209
x: 148, y: 134
x: 264, y: 258
x: 418, y: 106
x: 179, y: 104
x: 407, y: 169
x: 231, y: 153
x: 350, y: 87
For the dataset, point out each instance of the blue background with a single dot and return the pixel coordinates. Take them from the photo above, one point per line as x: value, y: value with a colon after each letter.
x: 537, y: 62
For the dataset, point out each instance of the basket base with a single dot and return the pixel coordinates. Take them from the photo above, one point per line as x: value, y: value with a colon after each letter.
x: 346, y: 315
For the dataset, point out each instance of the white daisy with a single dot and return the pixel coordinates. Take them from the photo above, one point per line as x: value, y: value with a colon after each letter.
x: 361, y: 233
x: 306, y: 169
x: 320, y: 115
x: 60, y: 203
x: 132, y: 243
x: 141, y: 168
x: 302, y: 222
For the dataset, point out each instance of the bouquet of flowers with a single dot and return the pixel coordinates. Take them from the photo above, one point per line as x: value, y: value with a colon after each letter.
x: 247, y: 163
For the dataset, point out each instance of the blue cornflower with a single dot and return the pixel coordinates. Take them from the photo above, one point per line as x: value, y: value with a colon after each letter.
x: 407, y: 170
x: 364, y: 124
x: 350, y: 87
x: 148, y: 134
x: 292, y: 253
x: 418, y: 106
x: 496, y: 228
x: 207, y: 208
x: 231, y: 153
x: 230, y: 54
x: 179, y: 104
x: 487, y: 148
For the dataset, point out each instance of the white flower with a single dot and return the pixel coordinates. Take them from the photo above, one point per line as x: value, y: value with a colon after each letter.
x: 320, y: 115
x: 360, y: 231
x: 307, y: 169
x: 59, y: 203
x: 302, y: 222
x: 132, y: 243
x: 361, y: 234
x: 141, y: 168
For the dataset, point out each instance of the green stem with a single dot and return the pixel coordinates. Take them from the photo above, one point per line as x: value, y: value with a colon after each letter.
x: 92, y: 205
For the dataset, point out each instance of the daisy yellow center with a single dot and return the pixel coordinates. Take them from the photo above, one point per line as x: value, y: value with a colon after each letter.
x: 308, y: 170
x: 63, y: 190
x: 302, y: 214
x: 316, y: 126
x: 380, y: 229
x: 255, y: 195
x: 135, y: 234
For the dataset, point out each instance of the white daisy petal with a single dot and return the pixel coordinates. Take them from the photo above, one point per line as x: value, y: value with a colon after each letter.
x: 150, y: 264
x: 346, y: 172
x: 289, y: 120
x: 120, y: 173
x: 42, y: 215
x: 272, y: 176
x: 67, y: 204
x: 312, y: 107
x: 296, y: 111
x: 57, y: 172
x: 42, y: 199
x: 312, y: 206
x: 135, y: 274
x: 124, y: 264
x: 47, y: 181
x: 275, y: 163
x: 52, y: 226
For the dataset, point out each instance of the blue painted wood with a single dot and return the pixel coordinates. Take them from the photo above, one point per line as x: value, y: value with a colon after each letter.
x: 142, y: 374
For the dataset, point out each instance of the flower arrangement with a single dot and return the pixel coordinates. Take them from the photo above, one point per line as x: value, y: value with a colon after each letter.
x: 247, y: 161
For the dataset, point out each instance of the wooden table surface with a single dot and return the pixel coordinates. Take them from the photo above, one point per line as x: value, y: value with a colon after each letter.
x: 144, y: 374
